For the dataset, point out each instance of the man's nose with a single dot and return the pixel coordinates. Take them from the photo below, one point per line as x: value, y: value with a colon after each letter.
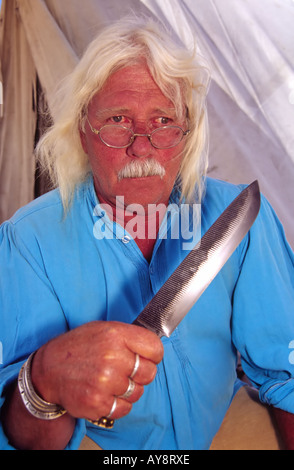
x: 141, y: 146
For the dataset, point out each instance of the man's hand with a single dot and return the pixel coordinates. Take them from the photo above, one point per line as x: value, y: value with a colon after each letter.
x: 84, y: 369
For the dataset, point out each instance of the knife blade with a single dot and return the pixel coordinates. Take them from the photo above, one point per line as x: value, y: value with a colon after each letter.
x: 194, y: 274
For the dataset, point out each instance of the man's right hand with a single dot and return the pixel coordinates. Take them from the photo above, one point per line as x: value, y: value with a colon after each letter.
x: 84, y: 369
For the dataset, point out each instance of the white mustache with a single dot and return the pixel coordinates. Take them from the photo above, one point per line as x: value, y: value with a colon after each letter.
x: 139, y: 169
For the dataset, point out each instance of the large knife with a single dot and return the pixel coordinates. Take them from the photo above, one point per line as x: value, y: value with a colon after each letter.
x: 194, y: 274
x: 184, y: 287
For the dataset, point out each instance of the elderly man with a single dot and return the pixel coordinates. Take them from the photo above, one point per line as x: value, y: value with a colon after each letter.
x: 81, y: 262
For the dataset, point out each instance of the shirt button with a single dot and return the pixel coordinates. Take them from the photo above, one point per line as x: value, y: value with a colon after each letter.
x: 126, y: 239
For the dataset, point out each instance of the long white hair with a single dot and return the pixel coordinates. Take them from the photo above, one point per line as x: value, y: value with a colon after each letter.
x: 181, y: 75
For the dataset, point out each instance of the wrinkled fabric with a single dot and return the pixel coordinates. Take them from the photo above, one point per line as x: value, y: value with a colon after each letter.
x: 59, y: 272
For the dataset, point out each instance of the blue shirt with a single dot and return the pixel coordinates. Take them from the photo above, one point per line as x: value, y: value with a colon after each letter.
x: 57, y: 273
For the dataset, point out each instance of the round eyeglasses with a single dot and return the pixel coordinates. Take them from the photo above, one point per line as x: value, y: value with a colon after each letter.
x: 119, y: 137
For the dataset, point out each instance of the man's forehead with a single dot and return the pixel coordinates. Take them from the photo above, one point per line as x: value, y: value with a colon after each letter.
x: 132, y: 87
x: 131, y: 79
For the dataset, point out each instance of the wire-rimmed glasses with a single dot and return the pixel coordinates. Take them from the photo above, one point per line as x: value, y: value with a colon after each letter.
x: 118, y: 136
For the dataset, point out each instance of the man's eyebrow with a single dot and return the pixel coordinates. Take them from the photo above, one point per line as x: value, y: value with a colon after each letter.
x: 165, y: 111
x: 101, y: 114
x: 108, y: 112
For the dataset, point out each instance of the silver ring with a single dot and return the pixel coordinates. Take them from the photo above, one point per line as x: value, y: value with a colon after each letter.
x: 136, y: 366
x: 129, y: 390
x: 113, y: 408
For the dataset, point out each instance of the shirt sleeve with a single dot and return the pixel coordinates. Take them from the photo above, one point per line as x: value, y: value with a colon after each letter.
x: 263, y: 311
x: 31, y: 314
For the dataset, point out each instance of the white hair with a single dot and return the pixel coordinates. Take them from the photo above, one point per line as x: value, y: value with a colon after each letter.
x: 181, y: 75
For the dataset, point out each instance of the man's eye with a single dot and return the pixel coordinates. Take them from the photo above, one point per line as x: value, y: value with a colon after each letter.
x: 120, y: 120
x: 164, y: 121
x: 117, y: 119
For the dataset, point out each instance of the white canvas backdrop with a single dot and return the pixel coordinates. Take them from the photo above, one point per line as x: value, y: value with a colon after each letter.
x: 249, y: 44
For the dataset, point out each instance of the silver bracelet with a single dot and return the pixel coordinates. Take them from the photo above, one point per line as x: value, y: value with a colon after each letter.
x: 34, y: 404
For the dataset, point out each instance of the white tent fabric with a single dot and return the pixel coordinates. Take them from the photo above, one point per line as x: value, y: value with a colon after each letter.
x: 249, y: 44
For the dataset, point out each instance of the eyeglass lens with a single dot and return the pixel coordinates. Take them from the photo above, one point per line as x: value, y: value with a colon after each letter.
x: 119, y: 136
